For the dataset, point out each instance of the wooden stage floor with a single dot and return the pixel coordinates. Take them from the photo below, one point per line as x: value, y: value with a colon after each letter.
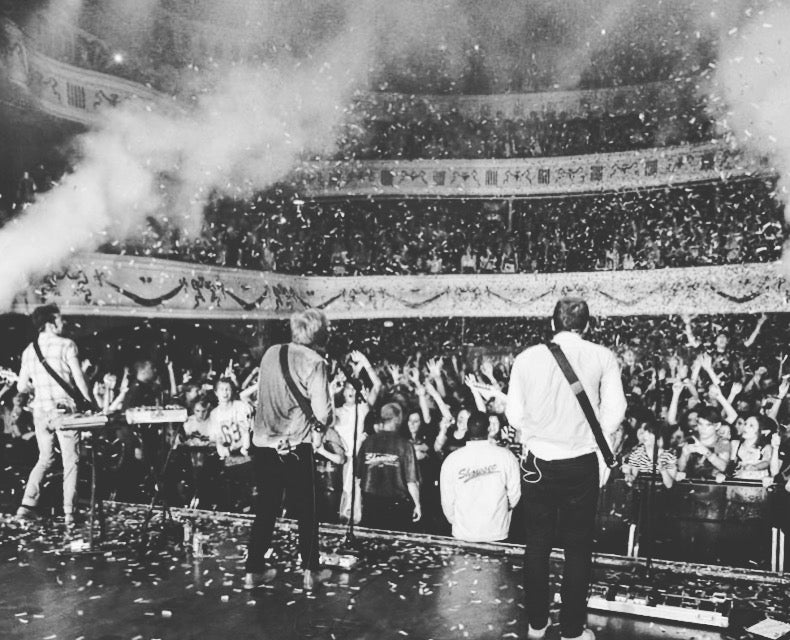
x: 403, y: 587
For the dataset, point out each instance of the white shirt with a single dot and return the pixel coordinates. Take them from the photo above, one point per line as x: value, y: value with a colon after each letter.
x: 480, y: 484
x: 344, y: 424
x: 229, y: 427
x: 542, y: 404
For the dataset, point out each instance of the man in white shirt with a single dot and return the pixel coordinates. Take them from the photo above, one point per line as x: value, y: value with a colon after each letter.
x: 480, y: 485
x: 50, y: 403
x: 561, y: 469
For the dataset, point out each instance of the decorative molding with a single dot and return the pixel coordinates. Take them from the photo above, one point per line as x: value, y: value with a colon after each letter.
x: 213, y: 40
x: 65, y: 91
x: 529, y: 176
x: 99, y: 284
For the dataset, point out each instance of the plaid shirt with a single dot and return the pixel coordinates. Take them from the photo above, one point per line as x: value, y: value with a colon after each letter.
x: 49, y: 395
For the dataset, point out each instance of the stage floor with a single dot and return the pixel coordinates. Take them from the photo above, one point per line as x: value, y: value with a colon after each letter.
x: 403, y: 587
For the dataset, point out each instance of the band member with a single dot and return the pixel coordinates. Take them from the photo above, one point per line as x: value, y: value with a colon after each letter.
x: 284, y: 440
x: 50, y: 403
x: 561, y: 475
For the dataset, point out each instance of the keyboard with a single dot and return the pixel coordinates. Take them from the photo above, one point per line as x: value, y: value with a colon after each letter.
x: 82, y: 421
x: 156, y: 415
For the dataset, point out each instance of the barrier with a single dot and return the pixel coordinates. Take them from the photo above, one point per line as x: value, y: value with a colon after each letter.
x: 695, y: 521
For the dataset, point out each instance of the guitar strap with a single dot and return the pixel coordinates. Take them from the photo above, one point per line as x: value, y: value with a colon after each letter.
x: 584, y: 402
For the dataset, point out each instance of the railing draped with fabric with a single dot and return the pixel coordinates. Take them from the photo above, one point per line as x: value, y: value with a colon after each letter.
x: 532, y: 176
x: 66, y: 91
x: 99, y: 284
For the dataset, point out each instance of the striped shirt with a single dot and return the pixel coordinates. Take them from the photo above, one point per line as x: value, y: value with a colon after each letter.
x: 641, y: 461
x: 49, y: 395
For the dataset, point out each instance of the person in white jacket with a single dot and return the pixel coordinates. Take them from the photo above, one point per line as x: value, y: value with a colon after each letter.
x: 480, y: 485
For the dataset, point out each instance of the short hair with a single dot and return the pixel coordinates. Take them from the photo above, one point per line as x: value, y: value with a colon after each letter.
x: 225, y: 380
x: 571, y: 314
x: 142, y: 365
x: 710, y: 414
x: 310, y: 328
x: 477, y: 425
x: 43, y: 315
x: 392, y: 412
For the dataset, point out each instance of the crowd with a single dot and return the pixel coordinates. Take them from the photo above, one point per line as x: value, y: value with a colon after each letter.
x: 707, y: 393
x: 699, y: 225
x: 422, y: 132
x: 683, y: 226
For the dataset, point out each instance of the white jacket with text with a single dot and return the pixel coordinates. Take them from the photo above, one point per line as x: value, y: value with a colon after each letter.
x: 480, y: 484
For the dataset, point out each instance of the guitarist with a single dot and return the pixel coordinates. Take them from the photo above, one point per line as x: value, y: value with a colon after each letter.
x: 561, y: 474
x: 51, y: 370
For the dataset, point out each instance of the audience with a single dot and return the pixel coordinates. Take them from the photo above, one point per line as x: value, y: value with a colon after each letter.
x: 682, y: 226
x: 710, y: 408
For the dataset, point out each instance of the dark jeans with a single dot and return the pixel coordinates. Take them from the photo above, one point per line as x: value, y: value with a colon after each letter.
x: 386, y: 513
x: 564, y: 503
x: 294, y: 472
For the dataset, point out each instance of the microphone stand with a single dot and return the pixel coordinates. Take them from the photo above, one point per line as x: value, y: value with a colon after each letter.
x: 648, y: 537
x: 350, y: 539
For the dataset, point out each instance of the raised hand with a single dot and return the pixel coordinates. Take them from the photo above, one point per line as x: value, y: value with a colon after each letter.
x: 395, y: 373
x: 337, y: 382
x: 470, y: 380
x: 124, y: 382
x: 110, y: 380
x: 435, y: 367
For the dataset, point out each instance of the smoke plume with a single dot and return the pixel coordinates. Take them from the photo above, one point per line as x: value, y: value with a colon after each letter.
x: 246, y: 130
x: 753, y: 81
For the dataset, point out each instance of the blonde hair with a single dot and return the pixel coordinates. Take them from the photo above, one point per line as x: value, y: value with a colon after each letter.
x: 309, y: 327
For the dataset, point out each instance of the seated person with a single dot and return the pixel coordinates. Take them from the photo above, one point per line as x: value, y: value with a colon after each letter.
x: 480, y: 486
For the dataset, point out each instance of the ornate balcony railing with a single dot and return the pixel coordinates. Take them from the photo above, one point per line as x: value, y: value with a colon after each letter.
x: 530, y: 176
x: 98, y: 284
x: 57, y: 40
x: 62, y: 90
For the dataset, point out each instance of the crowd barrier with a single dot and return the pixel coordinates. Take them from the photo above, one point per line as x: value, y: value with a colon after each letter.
x: 733, y: 523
